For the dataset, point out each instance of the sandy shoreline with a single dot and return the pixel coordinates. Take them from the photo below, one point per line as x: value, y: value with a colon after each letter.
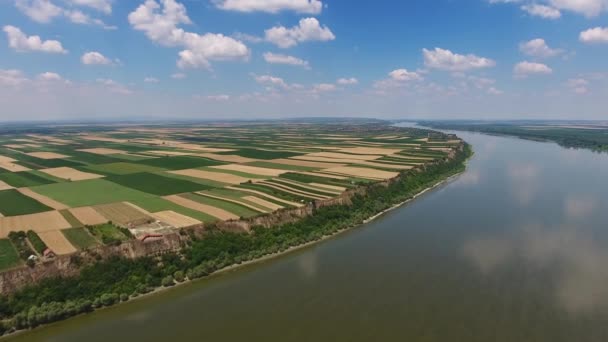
x: 253, y: 261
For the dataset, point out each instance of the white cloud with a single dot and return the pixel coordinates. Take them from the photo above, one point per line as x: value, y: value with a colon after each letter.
x: 308, y: 29
x: 151, y: 80
x: 594, y: 35
x: 538, y: 48
x: 42, y: 11
x: 159, y: 22
x: 271, y: 81
x: 578, y: 85
x: 324, y: 87
x: 178, y: 76
x: 271, y: 6
x: 494, y: 91
x: 49, y: 76
x: 23, y: 43
x: 104, y: 6
x: 114, y: 86
x: 347, y: 81
x: 273, y: 58
x: 94, y: 58
x: 12, y: 77
x: 542, y: 11
x: 447, y: 60
x: 403, y: 75
x: 523, y: 69
x: 219, y: 97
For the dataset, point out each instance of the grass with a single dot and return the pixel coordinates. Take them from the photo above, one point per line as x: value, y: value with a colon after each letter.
x: 8, y: 255
x: 129, y: 157
x: 23, y: 179
x: 122, y: 168
x: 179, y: 162
x: 234, y: 208
x: 89, y: 192
x: 107, y: 233
x: 155, y: 204
x: 14, y: 203
x: 207, y: 182
x: 89, y: 158
x: 156, y: 184
x: 80, y: 237
x: 72, y: 220
x: 261, y: 154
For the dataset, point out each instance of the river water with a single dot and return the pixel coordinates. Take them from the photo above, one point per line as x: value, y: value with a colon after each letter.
x: 515, y: 249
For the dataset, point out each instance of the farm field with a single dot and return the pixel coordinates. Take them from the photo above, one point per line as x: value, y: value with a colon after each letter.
x: 77, y: 187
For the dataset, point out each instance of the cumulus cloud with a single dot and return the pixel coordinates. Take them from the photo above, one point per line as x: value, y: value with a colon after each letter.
x: 12, y: 77
x: 525, y: 68
x: 178, y: 76
x: 49, y: 76
x: 542, y: 11
x: 114, y: 86
x: 347, y: 81
x: 21, y: 42
x: 271, y: 6
x: 594, y: 35
x: 274, y: 58
x: 538, y: 48
x: 159, y: 22
x: 447, y: 60
x: 94, y: 58
x: 578, y: 85
x: 404, y: 75
x: 151, y: 80
x: 324, y: 87
x: 272, y: 81
x: 308, y: 29
x: 104, y: 6
x: 219, y: 97
x: 44, y: 11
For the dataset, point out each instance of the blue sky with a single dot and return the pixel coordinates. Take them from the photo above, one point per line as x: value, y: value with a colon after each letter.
x: 213, y: 59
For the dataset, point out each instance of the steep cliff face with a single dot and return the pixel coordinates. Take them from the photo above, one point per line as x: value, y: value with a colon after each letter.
x: 70, y: 265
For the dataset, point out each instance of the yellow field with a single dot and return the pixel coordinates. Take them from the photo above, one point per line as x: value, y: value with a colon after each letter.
x: 57, y: 242
x: 226, y: 158
x: 263, y: 202
x: 41, y: 222
x: 176, y: 220
x: 370, y: 150
x: 362, y: 172
x: 70, y: 174
x: 295, y: 162
x: 262, y: 171
x: 88, y: 216
x: 102, y: 151
x: 4, y: 186
x: 47, y: 155
x: 122, y: 213
x: 207, y: 209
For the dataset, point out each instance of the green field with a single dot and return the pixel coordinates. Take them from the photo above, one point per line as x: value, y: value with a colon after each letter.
x: 80, y: 238
x: 89, y: 192
x: 8, y: 255
x: 261, y: 154
x: 156, y: 184
x: 23, y: 179
x: 122, y: 168
x: 234, y: 208
x: 107, y: 233
x: 36, y: 242
x: 72, y: 220
x: 271, y: 165
x: 14, y: 203
x: 179, y: 162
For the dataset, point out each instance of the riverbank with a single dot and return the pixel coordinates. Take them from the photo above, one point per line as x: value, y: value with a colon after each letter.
x: 222, y: 252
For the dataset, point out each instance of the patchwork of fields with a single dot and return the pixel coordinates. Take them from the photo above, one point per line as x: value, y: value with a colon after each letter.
x: 78, y: 187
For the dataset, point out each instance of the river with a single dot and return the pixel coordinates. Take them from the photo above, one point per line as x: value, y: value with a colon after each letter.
x: 514, y: 249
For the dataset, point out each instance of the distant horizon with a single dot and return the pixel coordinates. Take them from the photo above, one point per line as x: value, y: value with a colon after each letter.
x: 243, y: 59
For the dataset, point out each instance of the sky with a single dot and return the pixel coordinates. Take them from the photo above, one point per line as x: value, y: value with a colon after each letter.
x: 252, y: 59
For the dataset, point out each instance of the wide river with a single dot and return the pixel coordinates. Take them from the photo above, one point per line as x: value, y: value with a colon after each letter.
x: 515, y: 249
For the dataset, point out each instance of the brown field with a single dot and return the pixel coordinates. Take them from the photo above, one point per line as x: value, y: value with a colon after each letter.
x: 263, y: 202
x: 370, y: 150
x: 386, y: 165
x: 45, y: 137
x: 226, y: 158
x: 362, y: 172
x: 122, y: 214
x: 263, y: 194
x: 88, y: 216
x: 305, y: 163
x: 15, y: 146
x: 12, y: 167
x: 262, y: 171
x: 100, y: 138
x: 411, y: 157
x: 4, y: 186
x: 102, y: 151
x: 57, y: 242
x: 41, y: 222
x: 323, y: 175
x: 286, y: 188
x: 49, y: 202
x: 235, y: 201
x: 307, y: 186
x: 47, y: 155
x: 4, y: 159
x: 195, y: 147
x: 70, y: 174
x: 333, y: 161
x: 331, y: 187
x: 207, y: 209
x: 215, y: 176
x: 345, y: 155
x: 177, y: 220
